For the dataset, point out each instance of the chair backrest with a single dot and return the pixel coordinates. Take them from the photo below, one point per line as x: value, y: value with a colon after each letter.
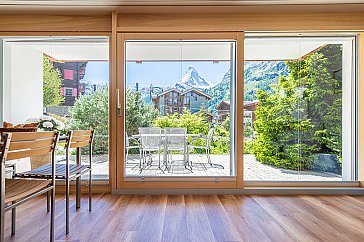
x: 31, y: 144
x: 150, y: 136
x: 179, y: 139
x: 79, y: 138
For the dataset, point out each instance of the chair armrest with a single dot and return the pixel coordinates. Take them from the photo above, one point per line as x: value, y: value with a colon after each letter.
x: 199, y: 137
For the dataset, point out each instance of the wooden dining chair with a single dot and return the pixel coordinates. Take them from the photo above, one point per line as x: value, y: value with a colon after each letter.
x: 15, y: 192
x: 75, y: 140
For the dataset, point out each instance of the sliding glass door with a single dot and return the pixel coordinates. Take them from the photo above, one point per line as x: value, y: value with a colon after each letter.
x: 299, y: 108
x: 179, y: 108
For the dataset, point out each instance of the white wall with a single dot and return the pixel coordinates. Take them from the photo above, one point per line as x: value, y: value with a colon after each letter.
x: 23, y: 83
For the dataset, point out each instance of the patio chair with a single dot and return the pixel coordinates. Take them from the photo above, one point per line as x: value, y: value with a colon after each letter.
x: 128, y: 146
x: 75, y: 139
x: 207, y: 147
x: 15, y: 192
x: 150, y: 141
x: 176, y: 140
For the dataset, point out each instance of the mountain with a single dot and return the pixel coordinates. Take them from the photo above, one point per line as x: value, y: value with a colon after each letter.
x: 258, y: 75
x: 263, y: 70
x: 192, y: 79
x: 219, y: 92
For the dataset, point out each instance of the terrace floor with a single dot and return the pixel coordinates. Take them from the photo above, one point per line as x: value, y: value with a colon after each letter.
x: 253, y: 170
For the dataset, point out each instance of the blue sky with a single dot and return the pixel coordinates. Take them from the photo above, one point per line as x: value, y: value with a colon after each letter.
x: 97, y: 72
x: 165, y: 74
x: 162, y: 74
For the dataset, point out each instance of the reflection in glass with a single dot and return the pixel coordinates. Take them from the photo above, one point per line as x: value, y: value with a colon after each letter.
x: 297, y: 112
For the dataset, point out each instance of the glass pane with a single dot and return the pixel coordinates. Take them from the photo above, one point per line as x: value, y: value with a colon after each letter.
x: 301, y: 93
x: 178, y: 105
x: 63, y: 80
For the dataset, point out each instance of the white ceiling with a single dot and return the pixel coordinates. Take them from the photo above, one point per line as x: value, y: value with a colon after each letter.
x: 286, y: 48
x: 67, y: 49
x: 256, y: 48
x: 175, y: 51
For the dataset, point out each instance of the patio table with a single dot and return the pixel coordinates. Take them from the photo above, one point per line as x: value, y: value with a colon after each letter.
x: 137, y: 136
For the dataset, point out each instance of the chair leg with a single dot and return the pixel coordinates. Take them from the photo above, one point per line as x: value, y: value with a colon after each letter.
x: 53, y: 195
x: 140, y: 159
x: 13, y: 220
x: 78, y: 192
x: 67, y: 205
x: 90, y: 192
x: 159, y: 159
x: 48, y: 201
x: 2, y: 222
x: 126, y: 156
x: 209, y: 160
x: 208, y: 156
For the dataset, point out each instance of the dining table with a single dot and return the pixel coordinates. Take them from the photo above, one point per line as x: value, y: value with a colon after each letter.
x: 163, y: 137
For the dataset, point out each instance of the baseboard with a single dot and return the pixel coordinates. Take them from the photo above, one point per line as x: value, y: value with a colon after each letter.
x: 246, y: 191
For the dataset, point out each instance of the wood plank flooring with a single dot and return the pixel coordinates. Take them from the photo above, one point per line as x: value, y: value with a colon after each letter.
x: 199, y: 218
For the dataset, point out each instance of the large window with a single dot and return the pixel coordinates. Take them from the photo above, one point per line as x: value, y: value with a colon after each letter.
x: 179, y: 103
x: 299, y: 102
x: 62, y: 79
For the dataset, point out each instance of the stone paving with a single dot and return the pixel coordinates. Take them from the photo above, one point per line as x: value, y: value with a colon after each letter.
x: 253, y: 170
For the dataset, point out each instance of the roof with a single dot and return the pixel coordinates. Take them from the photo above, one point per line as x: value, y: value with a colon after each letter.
x: 169, y: 90
x: 184, y: 93
x: 223, y: 102
x: 197, y: 91
x: 250, y: 103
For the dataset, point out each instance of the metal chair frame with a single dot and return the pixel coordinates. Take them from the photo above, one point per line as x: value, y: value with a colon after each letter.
x: 147, y: 149
x: 30, y: 144
x: 175, y: 143
x: 207, y: 147
x: 67, y: 172
x: 129, y: 147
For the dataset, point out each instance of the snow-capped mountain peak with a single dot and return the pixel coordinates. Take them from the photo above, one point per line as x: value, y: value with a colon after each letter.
x: 192, y: 79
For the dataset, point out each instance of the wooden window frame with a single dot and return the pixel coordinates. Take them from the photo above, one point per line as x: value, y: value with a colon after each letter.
x: 232, y: 182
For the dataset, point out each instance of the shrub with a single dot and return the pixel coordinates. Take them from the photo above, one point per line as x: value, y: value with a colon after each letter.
x: 138, y: 113
x: 91, y: 111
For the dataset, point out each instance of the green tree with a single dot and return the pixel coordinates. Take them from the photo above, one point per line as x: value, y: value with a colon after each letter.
x: 138, y: 113
x: 196, y: 123
x: 52, y: 82
x: 277, y: 123
x: 321, y: 79
x: 91, y: 111
x: 248, y: 130
x: 302, y: 114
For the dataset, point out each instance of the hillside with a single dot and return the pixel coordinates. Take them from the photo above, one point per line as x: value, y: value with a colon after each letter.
x: 258, y: 75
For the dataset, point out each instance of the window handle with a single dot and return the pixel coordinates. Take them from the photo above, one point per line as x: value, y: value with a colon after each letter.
x: 118, y: 107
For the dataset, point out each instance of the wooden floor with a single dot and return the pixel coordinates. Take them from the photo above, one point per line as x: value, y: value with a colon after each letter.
x: 198, y: 218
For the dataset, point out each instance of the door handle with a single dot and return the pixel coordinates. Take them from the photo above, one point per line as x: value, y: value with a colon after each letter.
x: 118, y: 105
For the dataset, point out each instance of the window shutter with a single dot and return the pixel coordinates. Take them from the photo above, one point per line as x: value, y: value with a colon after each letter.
x: 74, y: 92
x: 62, y: 91
x: 68, y: 74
